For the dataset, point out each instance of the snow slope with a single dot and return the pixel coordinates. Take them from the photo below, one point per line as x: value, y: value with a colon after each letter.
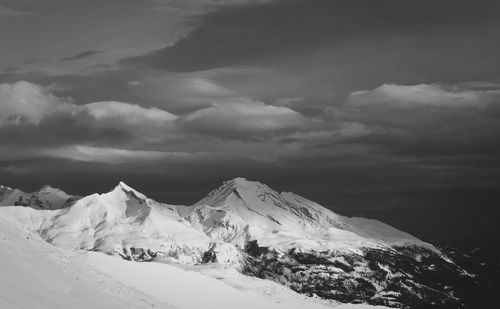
x: 242, y: 210
x: 36, y: 275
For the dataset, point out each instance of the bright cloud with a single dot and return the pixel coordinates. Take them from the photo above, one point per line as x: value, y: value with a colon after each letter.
x: 110, y: 155
x: 102, y: 155
x: 110, y: 114
x: 245, y: 117
x: 24, y: 102
x: 421, y: 106
x: 415, y: 96
x: 29, y: 103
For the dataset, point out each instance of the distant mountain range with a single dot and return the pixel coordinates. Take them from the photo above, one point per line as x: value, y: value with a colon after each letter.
x: 45, y: 198
x: 250, y: 227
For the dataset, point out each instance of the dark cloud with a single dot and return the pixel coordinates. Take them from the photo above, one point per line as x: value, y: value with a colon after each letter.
x: 320, y: 51
x: 263, y: 32
x: 83, y: 55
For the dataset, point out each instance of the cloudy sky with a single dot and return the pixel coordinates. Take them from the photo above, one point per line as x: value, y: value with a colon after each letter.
x: 341, y: 101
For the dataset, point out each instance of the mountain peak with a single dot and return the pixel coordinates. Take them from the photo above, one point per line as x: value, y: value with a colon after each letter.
x: 231, y: 187
x: 48, y: 190
x: 240, y: 182
x: 123, y: 187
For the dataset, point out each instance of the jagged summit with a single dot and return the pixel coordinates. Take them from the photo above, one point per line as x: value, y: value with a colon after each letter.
x: 123, y: 187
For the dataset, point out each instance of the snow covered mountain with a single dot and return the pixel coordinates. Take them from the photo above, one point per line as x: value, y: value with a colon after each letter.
x: 44, y: 198
x: 122, y: 222
x: 36, y: 275
x: 242, y: 210
x: 257, y: 231
x: 314, y: 251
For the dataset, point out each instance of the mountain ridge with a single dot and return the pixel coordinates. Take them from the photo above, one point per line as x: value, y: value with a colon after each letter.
x: 260, y: 232
x: 255, y: 204
x: 47, y: 197
x: 240, y: 210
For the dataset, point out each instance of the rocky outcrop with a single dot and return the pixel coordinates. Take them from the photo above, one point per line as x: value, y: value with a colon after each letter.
x: 404, y: 277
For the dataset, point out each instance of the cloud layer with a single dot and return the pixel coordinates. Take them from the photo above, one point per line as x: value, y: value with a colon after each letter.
x: 391, y: 120
x: 425, y: 119
x: 342, y: 97
x: 64, y: 129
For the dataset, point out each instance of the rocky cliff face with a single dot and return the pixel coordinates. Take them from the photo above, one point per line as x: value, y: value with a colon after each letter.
x: 399, y: 277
